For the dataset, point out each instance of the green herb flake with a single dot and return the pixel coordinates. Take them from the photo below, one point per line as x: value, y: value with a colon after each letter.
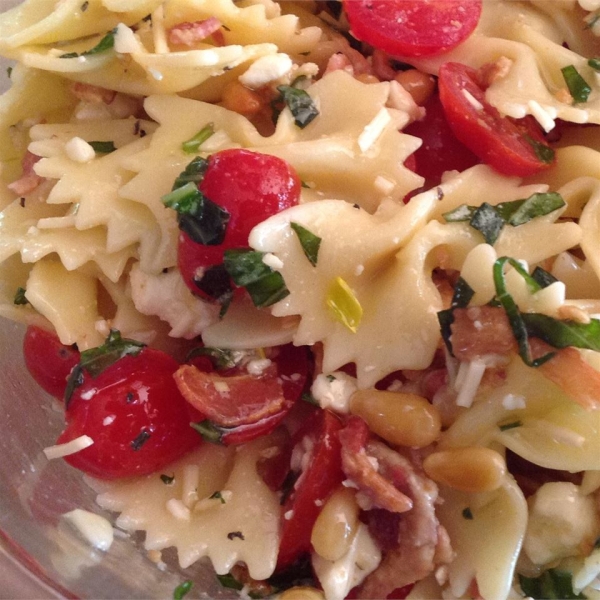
x: 488, y: 222
x: 140, y: 440
x: 105, y: 44
x: 221, y: 359
x: 167, y: 479
x: 543, y: 152
x: 467, y: 514
x: 463, y: 293
x: 182, y: 589
x: 307, y: 397
x: 344, y: 305
x: 578, y: 87
x: 594, y: 63
x: 563, y: 334
x: 218, y: 496
x: 9, y: 71
x: 20, y: 299
x: 103, y: 147
x: 301, y: 105
x: 512, y: 425
x: 209, y: 431
x: 230, y: 582
x: 193, y: 144
x: 247, y: 269
x: 553, y: 583
x: 309, y: 241
x: 193, y: 173
x: 543, y: 278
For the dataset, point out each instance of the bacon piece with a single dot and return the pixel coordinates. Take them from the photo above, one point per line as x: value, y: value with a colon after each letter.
x: 480, y: 331
x: 29, y: 179
x: 188, y: 34
x: 567, y: 369
x: 92, y: 93
x: 338, y: 62
x: 382, y: 69
x: 492, y: 71
x: 358, y: 465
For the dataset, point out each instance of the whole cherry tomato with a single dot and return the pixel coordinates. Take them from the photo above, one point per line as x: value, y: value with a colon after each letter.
x: 413, y: 27
x: 251, y: 187
x: 48, y: 361
x: 511, y: 147
x: 135, y: 415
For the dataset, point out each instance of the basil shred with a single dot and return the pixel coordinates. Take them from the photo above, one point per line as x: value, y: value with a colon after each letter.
x: 309, y: 241
x: 299, y: 102
x: 578, y: 87
x: 182, y: 589
x: 490, y: 220
x: 95, y: 360
x: 106, y: 43
x: 543, y: 152
x: 193, y: 144
x: 553, y: 583
x: 103, y: 147
x: 20, y: 299
x: 220, y: 359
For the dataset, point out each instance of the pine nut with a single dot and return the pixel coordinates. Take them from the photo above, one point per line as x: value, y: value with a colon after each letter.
x: 399, y: 418
x: 302, y: 593
x: 336, y: 525
x: 242, y: 100
x: 473, y: 469
x: 366, y: 78
x: 418, y: 84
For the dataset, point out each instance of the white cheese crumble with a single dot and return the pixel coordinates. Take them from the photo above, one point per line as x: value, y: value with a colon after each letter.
x: 222, y: 387
x: 266, y: 69
x: 468, y: 380
x: 60, y: 450
x: 513, y: 402
x: 108, y: 420
x: 95, y: 529
x: 544, y: 115
x: 89, y: 394
x: 257, y: 367
x: 78, y: 150
x: 371, y: 133
x: 472, y: 100
x: 178, y: 509
x: 334, y: 391
x: 125, y: 40
x: 288, y: 515
x: 272, y: 261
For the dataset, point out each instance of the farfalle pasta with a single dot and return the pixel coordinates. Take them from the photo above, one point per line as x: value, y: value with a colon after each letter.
x: 326, y: 297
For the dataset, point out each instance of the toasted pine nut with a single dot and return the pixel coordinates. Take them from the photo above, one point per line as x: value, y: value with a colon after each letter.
x: 418, y: 84
x: 242, y: 100
x: 366, y: 78
x: 473, y: 469
x: 399, y: 418
x: 302, y: 593
x: 336, y: 525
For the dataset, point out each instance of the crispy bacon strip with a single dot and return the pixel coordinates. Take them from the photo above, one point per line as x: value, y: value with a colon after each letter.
x: 92, y: 93
x: 29, y: 179
x: 188, y: 34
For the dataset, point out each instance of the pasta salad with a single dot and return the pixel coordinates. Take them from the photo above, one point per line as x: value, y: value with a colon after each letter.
x: 318, y: 283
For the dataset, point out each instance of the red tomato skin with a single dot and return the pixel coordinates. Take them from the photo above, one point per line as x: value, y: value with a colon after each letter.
x: 48, y: 361
x: 133, y: 395
x: 252, y: 187
x: 413, y: 27
x: 323, y: 475
x: 498, y: 141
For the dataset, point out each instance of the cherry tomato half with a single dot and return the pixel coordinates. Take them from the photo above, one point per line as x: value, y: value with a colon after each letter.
x: 48, y: 361
x: 412, y: 27
x: 135, y: 415
x: 251, y: 187
x: 239, y: 406
x: 511, y: 147
x: 319, y: 437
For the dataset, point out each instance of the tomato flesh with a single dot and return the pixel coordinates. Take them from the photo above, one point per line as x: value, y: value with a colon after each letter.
x: 135, y: 415
x: 315, y: 484
x: 251, y: 187
x: 514, y: 148
x: 413, y: 27
x: 48, y: 361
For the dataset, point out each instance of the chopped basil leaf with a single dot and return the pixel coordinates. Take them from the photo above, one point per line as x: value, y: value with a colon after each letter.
x: 543, y: 152
x: 216, y: 283
x: 512, y: 425
x: 140, y: 440
x: 204, y: 221
x: 182, y: 589
x: 592, y: 22
x: 543, y: 278
x: 230, y: 582
x: 20, y: 299
x: 343, y: 304
x: 95, y: 360
x: 220, y: 359
x: 330, y: 378
x: 301, y: 105
x: 247, y: 269
x: 594, y: 63
x: 193, y: 144
x: 461, y: 297
x: 515, y: 318
x: 490, y: 220
x: 550, y: 584
x: 218, y: 496
x: 309, y: 241
x: 9, y: 71
x: 167, y: 479
x: 103, y: 147
x: 467, y: 514
x: 578, y: 87
x: 232, y: 535
x: 106, y: 43
x: 209, y: 431
x: 194, y: 173
x: 563, y: 334
x: 307, y: 397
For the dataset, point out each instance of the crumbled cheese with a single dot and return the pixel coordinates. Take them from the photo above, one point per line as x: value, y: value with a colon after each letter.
x: 288, y: 515
x: 468, y: 380
x: 371, y: 133
x: 88, y: 395
x: 257, y: 367
x: 272, y: 261
x: 125, y: 40
x: 222, y: 387
x: 178, y: 509
x: 94, y: 529
x: 544, y: 115
x: 79, y: 150
x: 561, y: 521
x: 359, y: 270
x: 71, y: 447
x: 156, y: 74
x: 334, y: 391
x: 339, y: 577
x: 472, y: 100
x: 513, y: 402
x: 108, y: 420
x: 266, y: 69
